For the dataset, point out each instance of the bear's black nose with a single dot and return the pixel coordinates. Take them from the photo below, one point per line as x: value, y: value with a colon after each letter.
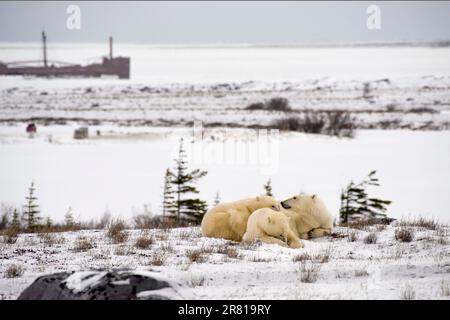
x: 285, y: 205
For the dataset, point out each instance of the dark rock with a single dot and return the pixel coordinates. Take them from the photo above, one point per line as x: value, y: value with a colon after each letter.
x: 103, y: 285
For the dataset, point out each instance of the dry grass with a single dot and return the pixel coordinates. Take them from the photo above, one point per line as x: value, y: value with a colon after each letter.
x: 197, y: 255
x: 49, y: 239
x: 309, y: 272
x: 371, y: 238
x: 14, y: 271
x: 321, y: 257
x: 83, y: 244
x: 116, y: 231
x: 407, y: 292
x: 250, y: 245
x: 10, y: 235
x: 403, y: 234
x: 227, y: 250
x: 144, y: 241
x: 167, y: 248
x: 195, y: 282
x: 352, y: 236
x: 361, y: 273
x: 361, y: 224
x: 260, y: 259
x: 445, y: 288
x: 123, y: 250
x: 157, y: 259
x: 423, y: 223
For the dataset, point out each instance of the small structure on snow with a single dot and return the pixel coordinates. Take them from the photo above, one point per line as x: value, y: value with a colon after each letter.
x: 81, y: 133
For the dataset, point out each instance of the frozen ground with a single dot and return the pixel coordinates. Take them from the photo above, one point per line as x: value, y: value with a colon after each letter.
x: 122, y: 169
x: 327, y: 268
x: 411, y: 102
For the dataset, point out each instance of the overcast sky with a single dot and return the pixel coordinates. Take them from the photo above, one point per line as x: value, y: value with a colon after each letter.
x: 226, y: 22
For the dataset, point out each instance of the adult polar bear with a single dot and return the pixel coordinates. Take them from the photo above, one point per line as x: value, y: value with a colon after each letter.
x: 228, y: 220
x: 310, y: 217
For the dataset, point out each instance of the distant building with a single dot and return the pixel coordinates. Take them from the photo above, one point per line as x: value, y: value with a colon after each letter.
x: 81, y: 133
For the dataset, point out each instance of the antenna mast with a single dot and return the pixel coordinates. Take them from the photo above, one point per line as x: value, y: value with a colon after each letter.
x: 44, y: 48
x: 110, y: 48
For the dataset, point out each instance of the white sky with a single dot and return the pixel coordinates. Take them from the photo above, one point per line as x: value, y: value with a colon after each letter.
x: 226, y: 22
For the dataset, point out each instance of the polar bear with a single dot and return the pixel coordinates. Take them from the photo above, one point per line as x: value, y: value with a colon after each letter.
x: 271, y: 226
x: 229, y: 220
x: 310, y: 217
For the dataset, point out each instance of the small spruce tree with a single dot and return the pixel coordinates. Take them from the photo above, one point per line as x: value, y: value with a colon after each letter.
x: 168, y: 205
x: 69, y: 221
x: 48, y: 223
x: 31, y: 212
x: 15, y: 224
x: 356, y: 203
x: 183, y: 182
x: 268, y: 188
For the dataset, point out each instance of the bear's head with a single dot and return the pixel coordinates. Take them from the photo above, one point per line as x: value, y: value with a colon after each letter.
x: 264, y: 202
x: 302, y: 203
x: 277, y: 225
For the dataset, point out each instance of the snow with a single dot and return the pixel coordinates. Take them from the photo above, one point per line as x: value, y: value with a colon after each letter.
x: 353, y: 270
x: 80, y: 281
x: 122, y: 170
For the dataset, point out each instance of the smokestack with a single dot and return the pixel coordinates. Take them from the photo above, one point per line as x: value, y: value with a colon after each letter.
x: 110, y: 48
x: 44, y: 48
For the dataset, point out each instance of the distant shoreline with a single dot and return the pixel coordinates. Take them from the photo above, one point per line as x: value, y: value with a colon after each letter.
x: 431, y: 44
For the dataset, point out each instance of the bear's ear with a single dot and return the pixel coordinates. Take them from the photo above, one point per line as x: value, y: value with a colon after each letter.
x: 313, y: 197
x: 269, y: 220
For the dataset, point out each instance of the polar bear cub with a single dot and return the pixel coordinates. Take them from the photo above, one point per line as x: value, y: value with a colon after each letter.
x: 229, y: 220
x: 310, y: 217
x: 271, y: 226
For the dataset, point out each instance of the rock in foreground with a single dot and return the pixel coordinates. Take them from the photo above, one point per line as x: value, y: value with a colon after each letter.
x: 103, y: 285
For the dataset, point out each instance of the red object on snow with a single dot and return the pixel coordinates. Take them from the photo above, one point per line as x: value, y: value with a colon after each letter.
x: 31, y: 128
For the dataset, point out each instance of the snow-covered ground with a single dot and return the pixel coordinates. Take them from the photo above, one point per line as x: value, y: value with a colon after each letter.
x: 327, y: 268
x: 122, y: 170
x: 410, y: 101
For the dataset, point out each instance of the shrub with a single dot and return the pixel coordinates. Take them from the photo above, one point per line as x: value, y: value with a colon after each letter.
x: 333, y: 123
x: 352, y: 236
x: 14, y: 271
x: 157, y: 259
x: 256, y: 106
x: 421, y: 222
x: 407, y: 293
x: 83, y: 243
x: 143, y: 221
x: 123, y: 250
x: 340, y: 124
x: 278, y: 104
x: 289, y: 124
x: 312, y: 122
x: 422, y: 110
x: 371, y: 238
x: 309, y: 272
x: 144, y: 241
x: 228, y: 251
x: 49, y: 239
x: 195, y: 282
x: 10, y: 235
x: 116, y: 231
x: 361, y: 273
x: 320, y: 257
x: 197, y: 255
x: 404, y: 234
